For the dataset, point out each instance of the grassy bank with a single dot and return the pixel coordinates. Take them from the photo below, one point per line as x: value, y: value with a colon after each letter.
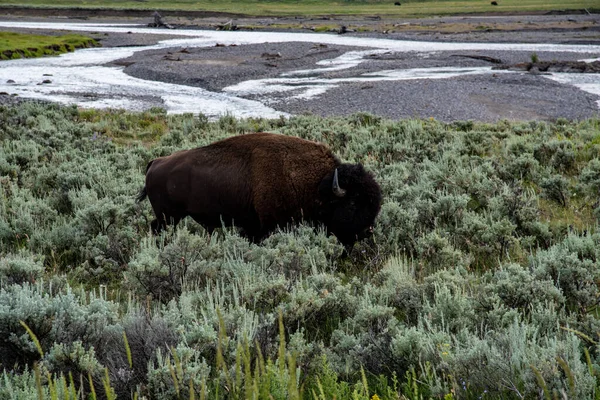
x: 17, y: 45
x: 481, y: 279
x: 328, y: 7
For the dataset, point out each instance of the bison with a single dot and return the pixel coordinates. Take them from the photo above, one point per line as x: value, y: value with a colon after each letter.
x: 259, y: 182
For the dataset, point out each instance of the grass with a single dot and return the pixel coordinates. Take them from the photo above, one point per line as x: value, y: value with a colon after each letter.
x: 18, y: 45
x: 326, y: 7
x: 126, y: 128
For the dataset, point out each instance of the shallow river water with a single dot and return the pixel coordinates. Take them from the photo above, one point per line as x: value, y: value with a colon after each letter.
x: 82, y: 78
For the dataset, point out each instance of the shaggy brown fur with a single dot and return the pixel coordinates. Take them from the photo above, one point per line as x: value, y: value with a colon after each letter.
x: 257, y: 182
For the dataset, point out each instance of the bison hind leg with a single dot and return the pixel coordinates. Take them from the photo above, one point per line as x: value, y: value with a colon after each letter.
x: 157, y: 226
x: 160, y: 224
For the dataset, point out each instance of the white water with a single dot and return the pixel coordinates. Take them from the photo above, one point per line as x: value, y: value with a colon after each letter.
x: 74, y: 75
x: 312, y: 87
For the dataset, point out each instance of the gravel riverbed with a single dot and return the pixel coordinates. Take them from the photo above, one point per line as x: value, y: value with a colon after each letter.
x: 484, y: 97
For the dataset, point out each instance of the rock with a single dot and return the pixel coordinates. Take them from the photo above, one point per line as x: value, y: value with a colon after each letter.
x: 342, y: 30
x: 271, y: 55
x: 171, y: 57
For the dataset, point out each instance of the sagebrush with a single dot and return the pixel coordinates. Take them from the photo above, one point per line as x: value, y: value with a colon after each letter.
x: 480, y: 281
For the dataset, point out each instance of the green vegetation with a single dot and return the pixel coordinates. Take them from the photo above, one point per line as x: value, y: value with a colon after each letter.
x: 18, y: 45
x: 534, y: 58
x: 481, y: 279
x: 325, y: 7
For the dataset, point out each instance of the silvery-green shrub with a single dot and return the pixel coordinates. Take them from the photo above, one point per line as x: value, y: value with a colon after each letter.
x: 19, y: 268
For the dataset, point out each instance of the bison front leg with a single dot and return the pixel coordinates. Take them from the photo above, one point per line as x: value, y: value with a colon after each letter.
x: 253, y: 235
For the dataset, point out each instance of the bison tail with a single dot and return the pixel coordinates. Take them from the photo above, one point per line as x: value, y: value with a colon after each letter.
x: 142, y: 195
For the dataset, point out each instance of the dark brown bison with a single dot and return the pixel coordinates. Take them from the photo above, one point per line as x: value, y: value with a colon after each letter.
x: 261, y: 181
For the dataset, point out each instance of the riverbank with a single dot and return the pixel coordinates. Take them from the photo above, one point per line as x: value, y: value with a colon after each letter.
x: 16, y: 45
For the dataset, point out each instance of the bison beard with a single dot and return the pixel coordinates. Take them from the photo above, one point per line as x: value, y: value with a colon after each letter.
x: 259, y: 182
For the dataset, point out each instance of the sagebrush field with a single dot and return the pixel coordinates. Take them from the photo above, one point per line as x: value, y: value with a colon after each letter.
x: 481, y: 280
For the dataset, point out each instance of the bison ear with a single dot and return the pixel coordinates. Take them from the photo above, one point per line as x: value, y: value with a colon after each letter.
x: 337, y: 190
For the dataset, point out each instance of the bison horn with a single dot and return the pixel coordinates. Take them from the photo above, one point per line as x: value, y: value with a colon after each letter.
x: 337, y: 190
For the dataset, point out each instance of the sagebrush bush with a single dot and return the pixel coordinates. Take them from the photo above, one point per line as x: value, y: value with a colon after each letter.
x: 60, y: 317
x: 20, y: 268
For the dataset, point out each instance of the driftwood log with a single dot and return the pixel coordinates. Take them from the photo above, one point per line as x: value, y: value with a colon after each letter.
x: 158, y: 22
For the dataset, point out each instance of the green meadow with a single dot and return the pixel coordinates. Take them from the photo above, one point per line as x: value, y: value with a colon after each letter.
x: 480, y: 281
x: 386, y: 8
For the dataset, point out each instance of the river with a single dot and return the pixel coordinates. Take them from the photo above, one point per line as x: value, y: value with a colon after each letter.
x: 72, y: 77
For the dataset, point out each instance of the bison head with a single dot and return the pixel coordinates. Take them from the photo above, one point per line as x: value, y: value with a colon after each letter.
x: 350, y: 200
